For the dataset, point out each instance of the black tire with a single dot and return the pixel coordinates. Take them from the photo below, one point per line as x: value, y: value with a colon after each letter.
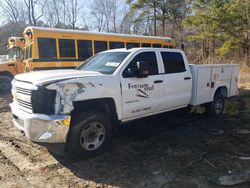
x: 88, y: 126
x: 5, y: 84
x: 216, y: 107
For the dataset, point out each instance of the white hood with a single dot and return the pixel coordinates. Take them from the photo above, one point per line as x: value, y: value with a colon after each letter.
x: 42, y: 77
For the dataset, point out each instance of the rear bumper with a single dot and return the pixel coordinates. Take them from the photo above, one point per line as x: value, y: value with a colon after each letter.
x: 40, y: 127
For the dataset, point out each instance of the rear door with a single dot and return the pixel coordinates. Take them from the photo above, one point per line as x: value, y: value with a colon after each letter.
x: 142, y: 96
x: 177, y: 80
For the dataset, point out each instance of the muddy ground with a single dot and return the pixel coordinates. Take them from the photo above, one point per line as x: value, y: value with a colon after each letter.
x: 168, y: 150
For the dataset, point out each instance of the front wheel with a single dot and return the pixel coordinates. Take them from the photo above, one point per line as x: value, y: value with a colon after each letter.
x: 91, y: 134
x: 216, y: 107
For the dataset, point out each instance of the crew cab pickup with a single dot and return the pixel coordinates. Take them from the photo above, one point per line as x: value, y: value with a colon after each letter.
x: 83, y: 107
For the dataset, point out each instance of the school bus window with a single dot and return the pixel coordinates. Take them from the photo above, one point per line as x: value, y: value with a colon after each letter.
x: 100, y: 46
x: 30, y: 55
x: 67, y: 48
x: 166, y: 46
x: 145, y: 45
x: 114, y: 45
x: 156, y: 45
x: 84, y: 49
x: 47, y: 48
x: 24, y: 53
x: 27, y: 49
x: 132, y: 45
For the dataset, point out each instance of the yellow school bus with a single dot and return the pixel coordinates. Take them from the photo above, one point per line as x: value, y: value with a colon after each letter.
x: 49, y: 48
x: 13, y: 65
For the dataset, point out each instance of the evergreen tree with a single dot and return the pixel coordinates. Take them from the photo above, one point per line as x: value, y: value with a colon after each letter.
x: 221, y: 25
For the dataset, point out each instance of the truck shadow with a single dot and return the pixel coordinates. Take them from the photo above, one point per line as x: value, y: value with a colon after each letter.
x: 157, y: 150
x: 170, y: 150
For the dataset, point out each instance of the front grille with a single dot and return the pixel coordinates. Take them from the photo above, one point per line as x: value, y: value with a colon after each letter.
x: 41, y: 101
x: 23, y: 98
x: 24, y: 104
x: 23, y: 91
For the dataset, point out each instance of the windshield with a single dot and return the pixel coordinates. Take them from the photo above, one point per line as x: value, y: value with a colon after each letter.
x: 105, y: 63
x: 14, y: 53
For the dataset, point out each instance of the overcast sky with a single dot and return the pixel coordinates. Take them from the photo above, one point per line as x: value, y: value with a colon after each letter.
x: 84, y: 16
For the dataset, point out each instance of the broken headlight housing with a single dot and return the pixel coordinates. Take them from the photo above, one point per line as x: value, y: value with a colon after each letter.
x: 43, y: 101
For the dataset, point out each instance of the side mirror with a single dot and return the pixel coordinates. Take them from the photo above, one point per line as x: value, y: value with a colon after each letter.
x: 143, y: 67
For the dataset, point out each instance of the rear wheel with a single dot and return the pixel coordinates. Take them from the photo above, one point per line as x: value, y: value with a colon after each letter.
x: 91, y: 134
x: 5, y: 84
x: 216, y: 107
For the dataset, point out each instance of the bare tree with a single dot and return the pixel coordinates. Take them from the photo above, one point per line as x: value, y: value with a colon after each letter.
x: 98, y: 13
x: 10, y: 9
x: 72, y: 12
x: 107, y: 14
x: 53, y: 13
x: 35, y: 10
x: 126, y: 24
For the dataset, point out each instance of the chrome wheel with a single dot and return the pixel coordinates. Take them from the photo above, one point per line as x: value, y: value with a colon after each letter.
x: 92, y: 136
x: 218, y: 106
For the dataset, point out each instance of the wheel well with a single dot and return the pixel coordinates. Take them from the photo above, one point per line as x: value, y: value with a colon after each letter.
x: 105, y: 105
x: 222, y: 90
x: 5, y: 73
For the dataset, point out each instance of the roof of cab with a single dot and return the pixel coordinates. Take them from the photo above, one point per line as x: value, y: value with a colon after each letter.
x: 141, y: 49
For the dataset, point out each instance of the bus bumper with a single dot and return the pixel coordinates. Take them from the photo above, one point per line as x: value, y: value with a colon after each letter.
x: 41, y: 128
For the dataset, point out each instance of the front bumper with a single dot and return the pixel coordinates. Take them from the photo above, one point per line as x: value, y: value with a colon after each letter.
x: 40, y: 127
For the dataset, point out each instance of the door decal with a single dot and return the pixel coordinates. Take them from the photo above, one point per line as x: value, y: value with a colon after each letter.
x: 141, y: 89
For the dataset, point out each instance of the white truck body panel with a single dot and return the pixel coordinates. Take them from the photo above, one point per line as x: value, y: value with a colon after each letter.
x: 132, y: 97
x: 207, y: 78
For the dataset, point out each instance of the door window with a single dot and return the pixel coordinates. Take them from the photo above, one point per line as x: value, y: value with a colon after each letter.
x: 173, y: 62
x: 27, y: 51
x: 30, y: 55
x: 148, y: 57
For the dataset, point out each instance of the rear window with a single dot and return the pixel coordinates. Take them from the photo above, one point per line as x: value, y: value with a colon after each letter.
x: 173, y: 62
x: 67, y: 48
x: 47, y: 48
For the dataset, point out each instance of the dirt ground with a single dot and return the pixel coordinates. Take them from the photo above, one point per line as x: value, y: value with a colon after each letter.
x: 168, y: 150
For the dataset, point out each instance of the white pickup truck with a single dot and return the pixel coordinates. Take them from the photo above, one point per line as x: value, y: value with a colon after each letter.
x: 83, y: 107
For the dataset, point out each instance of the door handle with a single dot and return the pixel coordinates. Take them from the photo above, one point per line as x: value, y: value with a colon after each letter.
x: 187, y: 78
x: 158, y: 81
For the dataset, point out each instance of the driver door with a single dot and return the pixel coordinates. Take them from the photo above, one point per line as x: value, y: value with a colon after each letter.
x: 142, y: 96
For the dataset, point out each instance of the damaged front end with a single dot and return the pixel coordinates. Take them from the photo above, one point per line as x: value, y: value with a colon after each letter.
x: 42, y: 113
x: 34, y: 113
